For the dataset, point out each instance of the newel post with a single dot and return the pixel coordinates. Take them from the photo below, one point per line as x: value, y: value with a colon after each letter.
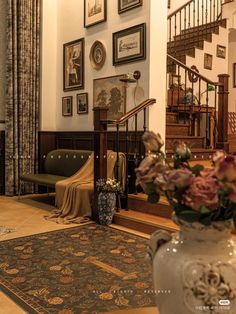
x: 100, y: 151
x: 222, y: 140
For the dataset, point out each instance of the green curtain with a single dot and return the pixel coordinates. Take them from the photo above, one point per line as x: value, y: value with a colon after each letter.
x: 22, y: 94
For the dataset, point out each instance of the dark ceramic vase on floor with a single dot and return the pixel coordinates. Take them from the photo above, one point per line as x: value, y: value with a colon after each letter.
x: 106, y: 207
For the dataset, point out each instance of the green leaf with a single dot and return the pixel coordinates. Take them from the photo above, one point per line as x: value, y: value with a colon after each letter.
x: 189, y: 215
x: 197, y: 169
x: 153, y: 198
x: 204, y: 210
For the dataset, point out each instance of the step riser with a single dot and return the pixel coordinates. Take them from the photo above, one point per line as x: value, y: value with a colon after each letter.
x: 192, y: 143
x: 136, y: 225
x: 161, y: 210
x: 171, y: 118
x: 177, y: 129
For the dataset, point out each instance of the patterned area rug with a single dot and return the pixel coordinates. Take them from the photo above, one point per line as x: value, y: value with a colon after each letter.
x: 87, y: 269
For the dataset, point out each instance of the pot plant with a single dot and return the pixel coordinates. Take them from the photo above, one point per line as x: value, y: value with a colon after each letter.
x: 108, y: 190
x: 194, y: 270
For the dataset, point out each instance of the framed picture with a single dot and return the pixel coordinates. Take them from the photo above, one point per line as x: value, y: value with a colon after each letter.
x: 208, y: 61
x: 82, y: 103
x: 97, y: 55
x: 129, y: 45
x: 111, y: 92
x: 234, y: 75
x: 95, y: 11
x: 126, y: 5
x: 221, y: 51
x: 73, y: 65
x: 67, y: 106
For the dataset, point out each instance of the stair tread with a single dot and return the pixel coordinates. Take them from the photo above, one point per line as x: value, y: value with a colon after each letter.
x: 177, y: 124
x: 148, y: 219
x: 184, y: 137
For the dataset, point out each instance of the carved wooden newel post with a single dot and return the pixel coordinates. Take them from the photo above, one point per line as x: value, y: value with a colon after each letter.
x: 222, y: 140
x: 100, y: 152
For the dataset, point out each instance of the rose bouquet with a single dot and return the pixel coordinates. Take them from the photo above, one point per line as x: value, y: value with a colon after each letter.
x: 108, y: 186
x: 195, y: 193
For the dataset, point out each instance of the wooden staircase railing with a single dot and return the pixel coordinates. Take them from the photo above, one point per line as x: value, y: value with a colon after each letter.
x: 195, y: 14
x: 100, y: 143
x: 185, y: 98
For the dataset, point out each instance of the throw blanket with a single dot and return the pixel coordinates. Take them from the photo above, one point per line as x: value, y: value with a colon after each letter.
x: 74, y: 195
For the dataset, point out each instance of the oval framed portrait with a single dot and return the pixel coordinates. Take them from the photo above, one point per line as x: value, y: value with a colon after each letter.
x: 97, y: 55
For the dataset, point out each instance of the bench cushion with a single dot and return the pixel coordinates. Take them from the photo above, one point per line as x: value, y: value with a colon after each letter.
x: 42, y: 179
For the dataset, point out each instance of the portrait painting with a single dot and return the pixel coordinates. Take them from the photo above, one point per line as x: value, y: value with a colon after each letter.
x: 73, y: 65
x: 110, y: 92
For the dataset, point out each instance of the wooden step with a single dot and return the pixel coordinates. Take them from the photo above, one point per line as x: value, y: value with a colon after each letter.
x: 171, y: 117
x: 139, y: 203
x: 143, y: 222
x: 213, y: 27
x: 177, y: 128
x: 191, y: 141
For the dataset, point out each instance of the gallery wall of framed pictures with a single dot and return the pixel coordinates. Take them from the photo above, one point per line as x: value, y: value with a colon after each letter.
x: 110, y: 42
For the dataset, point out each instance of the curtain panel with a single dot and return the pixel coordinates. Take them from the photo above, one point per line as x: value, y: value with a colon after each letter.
x: 22, y: 92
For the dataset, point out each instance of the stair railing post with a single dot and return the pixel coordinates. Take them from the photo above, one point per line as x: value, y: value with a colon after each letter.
x: 100, y: 152
x: 222, y: 141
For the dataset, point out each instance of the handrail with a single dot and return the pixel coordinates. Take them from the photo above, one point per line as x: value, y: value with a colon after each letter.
x: 132, y: 112
x: 179, y: 9
x: 192, y: 71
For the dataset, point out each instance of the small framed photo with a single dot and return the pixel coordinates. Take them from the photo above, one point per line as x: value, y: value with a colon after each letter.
x: 73, y: 65
x: 129, y: 45
x: 82, y: 103
x: 126, y: 5
x: 221, y: 51
x: 95, y: 11
x: 67, y: 106
x: 208, y: 61
x: 234, y: 75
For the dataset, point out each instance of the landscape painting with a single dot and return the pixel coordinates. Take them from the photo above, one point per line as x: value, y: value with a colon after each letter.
x: 110, y: 92
x: 94, y: 12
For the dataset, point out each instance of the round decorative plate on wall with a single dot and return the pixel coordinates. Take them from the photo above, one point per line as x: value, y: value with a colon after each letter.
x: 97, y: 55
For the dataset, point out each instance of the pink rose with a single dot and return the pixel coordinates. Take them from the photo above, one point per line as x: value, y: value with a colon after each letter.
x: 153, y: 142
x: 148, y: 169
x: 202, y: 192
x: 226, y: 168
x: 178, y: 178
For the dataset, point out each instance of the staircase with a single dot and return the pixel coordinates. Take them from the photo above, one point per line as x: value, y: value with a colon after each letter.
x: 199, y: 122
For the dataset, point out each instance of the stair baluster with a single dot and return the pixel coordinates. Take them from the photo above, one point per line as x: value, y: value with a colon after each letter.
x: 126, y: 192
x: 117, y: 163
x: 199, y: 108
x: 207, y: 144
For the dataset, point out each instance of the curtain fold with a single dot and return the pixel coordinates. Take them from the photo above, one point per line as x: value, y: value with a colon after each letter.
x: 22, y: 92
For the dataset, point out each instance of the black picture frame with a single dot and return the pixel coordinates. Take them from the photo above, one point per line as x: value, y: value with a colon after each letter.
x: 128, y: 48
x: 73, y: 65
x: 95, y: 14
x: 221, y: 51
x: 67, y: 106
x: 82, y: 103
x: 208, y: 59
x: 124, y: 5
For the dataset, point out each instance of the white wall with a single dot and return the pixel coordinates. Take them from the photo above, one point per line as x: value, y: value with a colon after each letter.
x: 70, y: 27
x: 232, y: 60
x: 3, y: 14
x: 157, y: 77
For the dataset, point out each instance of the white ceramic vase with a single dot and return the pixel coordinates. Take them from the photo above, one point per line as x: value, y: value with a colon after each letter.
x: 194, y: 270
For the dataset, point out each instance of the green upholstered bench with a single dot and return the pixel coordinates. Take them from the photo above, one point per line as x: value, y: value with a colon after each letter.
x: 59, y: 164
